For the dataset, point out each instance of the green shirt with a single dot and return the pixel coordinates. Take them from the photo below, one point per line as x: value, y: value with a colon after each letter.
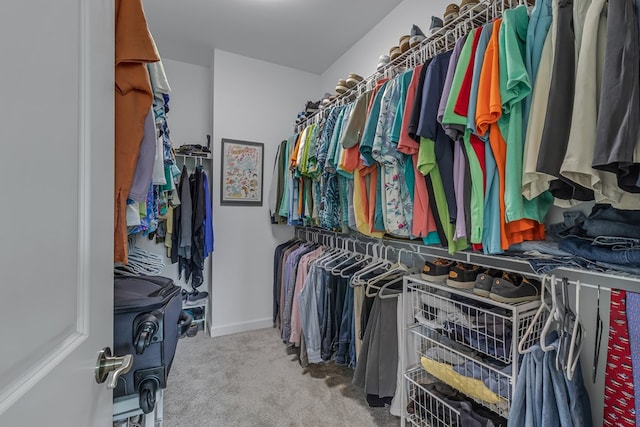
x: 427, y: 165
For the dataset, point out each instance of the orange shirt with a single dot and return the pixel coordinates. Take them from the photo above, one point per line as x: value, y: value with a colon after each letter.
x: 489, y: 110
x: 134, y: 47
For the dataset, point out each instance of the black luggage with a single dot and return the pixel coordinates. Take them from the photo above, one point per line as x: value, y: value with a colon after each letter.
x: 148, y: 319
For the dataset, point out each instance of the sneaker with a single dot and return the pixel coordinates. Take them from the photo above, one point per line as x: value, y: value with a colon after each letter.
x: 417, y: 36
x: 436, y: 270
x: 436, y: 25
x: 353, y: 80
x: 193, y: 330
x: 514, y: 288
x: 451, y: 12
x: 197, y: 298
x: 342, y: 87
x: 467, y: 4
x: 383, y: 61
x: 404, y: 43
x: 463, y: 276
x: 484, y: 281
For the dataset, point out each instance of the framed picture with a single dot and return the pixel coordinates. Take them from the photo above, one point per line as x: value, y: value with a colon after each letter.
x: 242, y: 173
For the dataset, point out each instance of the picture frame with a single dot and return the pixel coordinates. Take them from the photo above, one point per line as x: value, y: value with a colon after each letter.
x: 242, y: 173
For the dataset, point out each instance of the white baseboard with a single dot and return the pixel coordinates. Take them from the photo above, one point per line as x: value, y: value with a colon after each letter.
x: 252, y: 325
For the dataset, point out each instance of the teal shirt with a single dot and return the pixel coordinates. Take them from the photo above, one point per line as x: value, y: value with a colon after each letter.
x: 366, y: 144
x: 515, y: 86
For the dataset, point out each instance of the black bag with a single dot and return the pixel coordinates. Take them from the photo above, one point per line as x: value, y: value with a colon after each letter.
x: 148, y: 319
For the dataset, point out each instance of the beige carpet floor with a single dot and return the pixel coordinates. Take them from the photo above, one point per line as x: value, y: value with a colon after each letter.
x: 250, y: 379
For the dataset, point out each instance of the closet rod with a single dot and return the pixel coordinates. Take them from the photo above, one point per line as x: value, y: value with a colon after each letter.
x: 443, y: 40
x: 592, y: 279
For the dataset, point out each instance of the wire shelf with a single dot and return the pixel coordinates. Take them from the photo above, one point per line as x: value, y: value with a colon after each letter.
x: 484, y: 325
x: 424, y: 408
x: 487, y: 383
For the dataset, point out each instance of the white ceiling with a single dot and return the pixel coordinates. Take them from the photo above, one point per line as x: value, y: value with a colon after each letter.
x: 309, y: 35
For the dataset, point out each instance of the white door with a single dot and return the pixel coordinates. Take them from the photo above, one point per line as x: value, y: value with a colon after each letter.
x: 56, y: 215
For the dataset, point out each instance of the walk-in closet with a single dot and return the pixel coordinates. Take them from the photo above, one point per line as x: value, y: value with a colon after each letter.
x: 324, y: 213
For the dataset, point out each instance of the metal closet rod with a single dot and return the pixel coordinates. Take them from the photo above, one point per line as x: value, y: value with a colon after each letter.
x: 443, y: 40
x: 587, y: 278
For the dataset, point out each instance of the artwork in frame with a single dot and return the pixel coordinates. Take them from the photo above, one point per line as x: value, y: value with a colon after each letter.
x: 242, y: 173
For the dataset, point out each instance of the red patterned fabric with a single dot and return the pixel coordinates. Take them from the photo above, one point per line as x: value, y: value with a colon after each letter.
x: 619, y: 402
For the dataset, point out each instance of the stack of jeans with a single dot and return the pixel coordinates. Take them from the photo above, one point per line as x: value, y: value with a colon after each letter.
x: 545, y: 397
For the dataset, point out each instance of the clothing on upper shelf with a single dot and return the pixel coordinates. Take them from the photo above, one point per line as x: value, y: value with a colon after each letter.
x: 480, y: 125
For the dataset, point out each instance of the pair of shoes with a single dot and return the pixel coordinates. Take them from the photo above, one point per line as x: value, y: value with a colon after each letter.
x: 404, y: 43
x: 342, y: 87
x: 311, y: 107
x: 383, y: 61
x: 417, y: 36
x: 353, y: 80
x: 466, y: 5
x: 436, y: 270
x: 193, y: 330
x: 514, y: 288
x: 302, y: 116
x: 195, y: 298
x: 394, y: 52
x: 484, y: 281
x: 436, y: 25
x: 456, y: 274
x: 325, y: 100
x: 451, y: 12
x: 463, y: 276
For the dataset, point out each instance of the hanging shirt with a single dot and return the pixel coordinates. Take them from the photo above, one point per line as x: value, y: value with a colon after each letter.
x: 371, y: 124
x: 423, y: 222
x: 459, y: 100
x: 395, y: 192
x: 617, y: 133
x: 514, y: 87
x: 436, y: 150
x: 488, y: 112
x: 455, y: 126
x: 555, y: 133
x: 134, y: 47
x: 539, y: 24
x: 582, y: 139
x: 429, y: 127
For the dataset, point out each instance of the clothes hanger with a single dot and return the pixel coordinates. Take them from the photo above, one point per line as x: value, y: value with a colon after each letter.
x: 596, y: 349
x: 393, y: 270
x: 377, y: 263
x: 551, y: 320
x: 345, y: 262
x: 380, y: 289
x: 544, y: 307
x: 577, y: 339
x: 566, y: 316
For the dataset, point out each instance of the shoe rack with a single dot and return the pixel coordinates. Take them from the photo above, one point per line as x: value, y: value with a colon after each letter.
x: 486, y: 334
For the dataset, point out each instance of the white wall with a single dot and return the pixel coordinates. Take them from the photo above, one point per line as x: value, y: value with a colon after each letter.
x: 189, y: 121
x: 362, y: 58
x: 252, y: 101
x: 190, y: 104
